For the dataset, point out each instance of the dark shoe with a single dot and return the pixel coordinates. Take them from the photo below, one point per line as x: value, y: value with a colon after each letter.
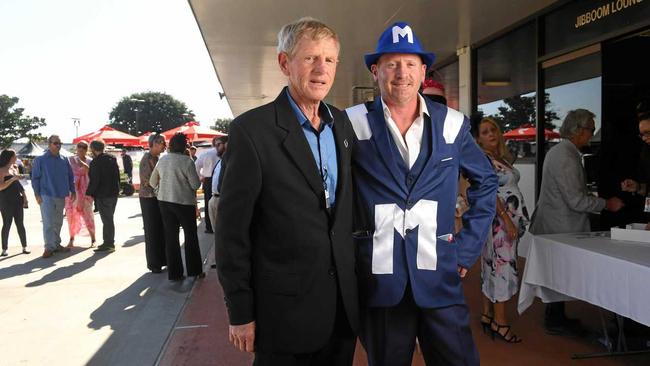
x: 4, y: 253
x: 47, y: 253
x: 61, y: 249
x: 155, y: 270
x: 503, y: 332
x: 209, y: 232
x: 25, y: 251
x: 105, y: 248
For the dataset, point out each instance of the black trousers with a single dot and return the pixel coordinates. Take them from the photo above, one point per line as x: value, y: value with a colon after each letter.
x: 13, y: 211
x: 207, y: 195
x: 175, y: 216
x: 388, y: 334
x: 106, y: 208
x: 339, y: 350
x: 154, y: 235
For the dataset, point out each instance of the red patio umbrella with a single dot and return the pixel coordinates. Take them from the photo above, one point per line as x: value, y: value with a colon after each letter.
x: 528, y: 133
x: 194, y: 132
x: 110, y: 136
x: 144, y: 139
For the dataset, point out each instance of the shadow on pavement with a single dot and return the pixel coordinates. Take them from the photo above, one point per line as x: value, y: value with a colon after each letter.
x: 37, y: 264
x: 141, y: 317
x: 62, y: 273
x: 11, y: 256
x: 133, y: 241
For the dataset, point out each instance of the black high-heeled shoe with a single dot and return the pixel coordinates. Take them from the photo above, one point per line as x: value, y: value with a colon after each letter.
x: 487, y: 329
x: 513, y: 338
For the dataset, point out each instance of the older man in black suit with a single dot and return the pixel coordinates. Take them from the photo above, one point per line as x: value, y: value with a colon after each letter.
x: 284, y: 248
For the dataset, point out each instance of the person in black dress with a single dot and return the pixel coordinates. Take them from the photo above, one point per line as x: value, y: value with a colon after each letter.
x: 12, y: 200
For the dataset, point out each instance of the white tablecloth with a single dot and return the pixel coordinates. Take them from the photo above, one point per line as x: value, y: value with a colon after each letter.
x: 614, y: 275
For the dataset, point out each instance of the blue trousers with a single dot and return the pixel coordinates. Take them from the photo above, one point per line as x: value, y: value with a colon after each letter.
x: 388, y: 334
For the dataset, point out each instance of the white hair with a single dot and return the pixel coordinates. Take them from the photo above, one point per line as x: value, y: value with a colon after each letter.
x: 291, y: 33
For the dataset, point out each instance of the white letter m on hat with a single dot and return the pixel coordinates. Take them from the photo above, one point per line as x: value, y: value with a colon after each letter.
x: 405, y: 32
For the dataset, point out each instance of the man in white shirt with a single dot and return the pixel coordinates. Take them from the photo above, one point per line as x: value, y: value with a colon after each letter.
x: 409, y: 152
x: 204, y: 166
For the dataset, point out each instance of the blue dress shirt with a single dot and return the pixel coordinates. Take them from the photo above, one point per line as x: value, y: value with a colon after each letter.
x: 322, y: 145
x: 52, y: 176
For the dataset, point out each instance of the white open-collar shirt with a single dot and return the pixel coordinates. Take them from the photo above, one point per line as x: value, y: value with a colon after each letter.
x: 409, y: 145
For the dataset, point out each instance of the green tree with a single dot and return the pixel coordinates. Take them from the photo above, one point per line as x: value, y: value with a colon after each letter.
x: 147, y: 112
x: 13, y: 125
x: 520, y: 111
x: 222, y: 125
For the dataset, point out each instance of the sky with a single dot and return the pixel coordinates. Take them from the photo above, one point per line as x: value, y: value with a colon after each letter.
x: 69, y: 59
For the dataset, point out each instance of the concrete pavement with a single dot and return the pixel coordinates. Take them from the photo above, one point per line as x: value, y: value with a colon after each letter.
x: 86, y: 308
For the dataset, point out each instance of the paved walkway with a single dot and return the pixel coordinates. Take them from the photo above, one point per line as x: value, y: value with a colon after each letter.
x: 82, y: 307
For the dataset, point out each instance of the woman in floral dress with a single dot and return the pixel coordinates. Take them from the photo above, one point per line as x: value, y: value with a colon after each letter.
x: 499, y: 275
x: 79, y: 211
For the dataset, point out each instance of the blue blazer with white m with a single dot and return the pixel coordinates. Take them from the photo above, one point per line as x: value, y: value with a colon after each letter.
x: 405, y: 217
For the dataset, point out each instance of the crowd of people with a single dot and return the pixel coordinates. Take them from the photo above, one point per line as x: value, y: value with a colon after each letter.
x: 75, y: 188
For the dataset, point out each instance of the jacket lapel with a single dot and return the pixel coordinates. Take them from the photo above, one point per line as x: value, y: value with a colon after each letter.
x: 343, y: 155
x: 436, y: 119
x: 435, y: 114
x: 296, y: 144
x: 382, y: 140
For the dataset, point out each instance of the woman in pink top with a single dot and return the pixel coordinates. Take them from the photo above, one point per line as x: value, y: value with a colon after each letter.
x: 80, y: 211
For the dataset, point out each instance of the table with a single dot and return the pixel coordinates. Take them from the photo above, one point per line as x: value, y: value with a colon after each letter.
x: 611, y: 274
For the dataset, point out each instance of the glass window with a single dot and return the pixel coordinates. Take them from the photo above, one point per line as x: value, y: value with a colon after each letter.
x: 572, y: 85
x: 506, y: 71
x: 575, y: 84
x: 507, y: 66
x: 506, y: 79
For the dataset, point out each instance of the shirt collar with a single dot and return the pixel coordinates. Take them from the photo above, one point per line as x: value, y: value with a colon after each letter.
x: 49, y: 153
x: 423, y: 108
x: 323, y: 111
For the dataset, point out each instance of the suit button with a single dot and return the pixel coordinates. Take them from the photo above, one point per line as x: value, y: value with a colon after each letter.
x: 332, y: 271
x: 332, y: 233
x: 409, y: 203
x: 408, y: 231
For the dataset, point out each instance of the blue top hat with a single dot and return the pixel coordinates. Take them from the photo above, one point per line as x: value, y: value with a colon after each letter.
x: 399, y: 38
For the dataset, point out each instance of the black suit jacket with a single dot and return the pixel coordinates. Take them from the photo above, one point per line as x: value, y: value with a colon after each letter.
x: 280, y: 253
x: 104, y: 176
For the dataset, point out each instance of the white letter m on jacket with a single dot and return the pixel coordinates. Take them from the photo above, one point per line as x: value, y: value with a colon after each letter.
x: 389, y: 218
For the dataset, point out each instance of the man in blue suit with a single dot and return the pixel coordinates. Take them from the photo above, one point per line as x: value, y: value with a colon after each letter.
x: 408, y: 155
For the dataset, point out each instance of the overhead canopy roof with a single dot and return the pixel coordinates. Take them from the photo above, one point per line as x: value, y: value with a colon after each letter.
x: 241, y: 36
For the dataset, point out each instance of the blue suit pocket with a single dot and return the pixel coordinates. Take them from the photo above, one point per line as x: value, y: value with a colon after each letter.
x: 446, y: 162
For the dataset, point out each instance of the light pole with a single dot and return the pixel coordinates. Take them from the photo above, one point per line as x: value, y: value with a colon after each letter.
x: 76, y: 122
x: 137, y: 113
